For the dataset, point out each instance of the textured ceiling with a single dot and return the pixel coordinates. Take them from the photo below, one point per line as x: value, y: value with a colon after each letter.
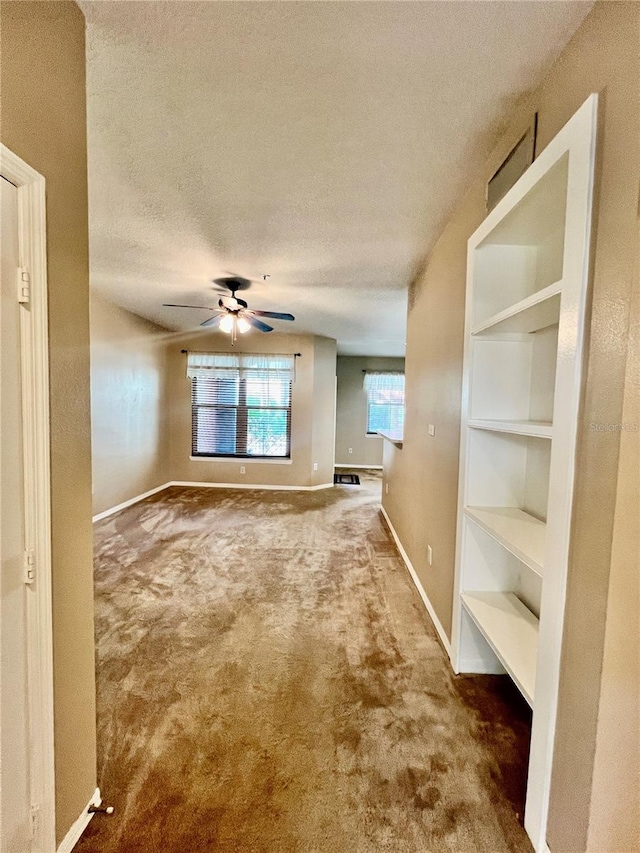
x: 322, y: 143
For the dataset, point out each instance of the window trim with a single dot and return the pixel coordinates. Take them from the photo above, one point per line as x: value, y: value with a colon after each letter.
x: 268, y: 460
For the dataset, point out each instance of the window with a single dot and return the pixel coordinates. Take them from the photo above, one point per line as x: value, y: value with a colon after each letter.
x: 385, y: 402
x: 240, y: 405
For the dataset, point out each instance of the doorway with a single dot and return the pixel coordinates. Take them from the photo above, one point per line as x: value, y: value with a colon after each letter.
x: 26, y: 679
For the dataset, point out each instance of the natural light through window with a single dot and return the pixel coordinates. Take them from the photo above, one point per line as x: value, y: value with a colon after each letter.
x: 385, y: 402
x: 240, y: 405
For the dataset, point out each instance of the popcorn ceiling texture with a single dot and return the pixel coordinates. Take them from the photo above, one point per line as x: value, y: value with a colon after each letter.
x: 323, y: 143
x: 269, y: 682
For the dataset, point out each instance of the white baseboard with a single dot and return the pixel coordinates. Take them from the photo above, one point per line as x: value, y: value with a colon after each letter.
x: 259, y: 486
x: 73, y: 836
x: 423, y: 595
x: 349, y: 465
x: 107, y: 512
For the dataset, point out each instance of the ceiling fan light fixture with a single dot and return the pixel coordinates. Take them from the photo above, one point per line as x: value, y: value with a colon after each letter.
x: 243, y: 325
x: 226, y: 324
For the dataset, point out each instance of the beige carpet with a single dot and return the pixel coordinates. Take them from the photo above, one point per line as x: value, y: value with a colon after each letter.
x: 269, y: 680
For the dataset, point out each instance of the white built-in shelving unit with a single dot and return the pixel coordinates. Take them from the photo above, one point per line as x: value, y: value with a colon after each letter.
x: 527, y: 277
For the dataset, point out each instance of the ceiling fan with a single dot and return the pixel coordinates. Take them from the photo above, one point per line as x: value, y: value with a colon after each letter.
x: 233, y: 315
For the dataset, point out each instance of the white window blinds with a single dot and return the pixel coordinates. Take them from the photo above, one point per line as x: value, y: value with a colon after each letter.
x: 385, y: 401
x: 240, y: 404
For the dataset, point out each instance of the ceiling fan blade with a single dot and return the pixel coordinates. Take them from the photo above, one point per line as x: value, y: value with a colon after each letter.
x: 212, y: 321
x: 276, y: 315
x: 171, y: 305
x: 257, y: 324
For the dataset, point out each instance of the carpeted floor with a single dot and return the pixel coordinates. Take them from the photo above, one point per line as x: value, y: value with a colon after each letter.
x: 269, y: 682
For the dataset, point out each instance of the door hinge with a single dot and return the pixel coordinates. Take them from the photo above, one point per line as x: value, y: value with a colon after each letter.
x: 35, y: 821
x: 29, y: 566
x: 24, y: 286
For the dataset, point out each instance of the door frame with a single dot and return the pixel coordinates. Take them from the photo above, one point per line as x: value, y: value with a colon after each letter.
x: 34, y: 355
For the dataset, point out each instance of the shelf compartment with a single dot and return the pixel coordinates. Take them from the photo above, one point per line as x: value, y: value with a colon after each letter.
x: 508, y: 470
x: 537, y: 429
x: 523, y: 254
x: 536, y: 312
x: 512, y: 378
x: 520, y: 533
x: 512, y: 632
x: 489, y: 566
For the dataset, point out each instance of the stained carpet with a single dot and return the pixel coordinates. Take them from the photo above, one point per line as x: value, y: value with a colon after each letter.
x: 269, y: 682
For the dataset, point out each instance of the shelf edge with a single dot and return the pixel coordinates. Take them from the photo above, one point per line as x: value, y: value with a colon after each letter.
x: 535, y: 429
x: 525, y: 558
x: 528, y: 696
x: 520, y: 307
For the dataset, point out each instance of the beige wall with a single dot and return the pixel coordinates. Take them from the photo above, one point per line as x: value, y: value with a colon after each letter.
x: 44, y: 122
x: 312, y: 417
x: 602, y: 57
x: 324, y: 410
x: 614, y: 820
x: 351, y: 417
x: 129, y: 407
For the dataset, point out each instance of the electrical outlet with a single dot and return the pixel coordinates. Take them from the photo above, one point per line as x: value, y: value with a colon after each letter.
x: 432, y: 429
x: 429, y: 555
x: 386, y: 488
x: 315, y: 466
x: 243, y: 470
x: 351, y: 450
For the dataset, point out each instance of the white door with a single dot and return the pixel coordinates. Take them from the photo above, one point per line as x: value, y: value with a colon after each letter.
x: 15, y: 796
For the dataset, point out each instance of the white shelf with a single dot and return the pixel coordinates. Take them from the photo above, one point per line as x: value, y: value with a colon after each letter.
x: 527, y: 274
x: 520, y: 533
x: 512, y: 632
x: 537, y: 429
x: 537, y: 311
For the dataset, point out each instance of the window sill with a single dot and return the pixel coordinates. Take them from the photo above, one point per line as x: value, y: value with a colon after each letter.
x: 241, y: 460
